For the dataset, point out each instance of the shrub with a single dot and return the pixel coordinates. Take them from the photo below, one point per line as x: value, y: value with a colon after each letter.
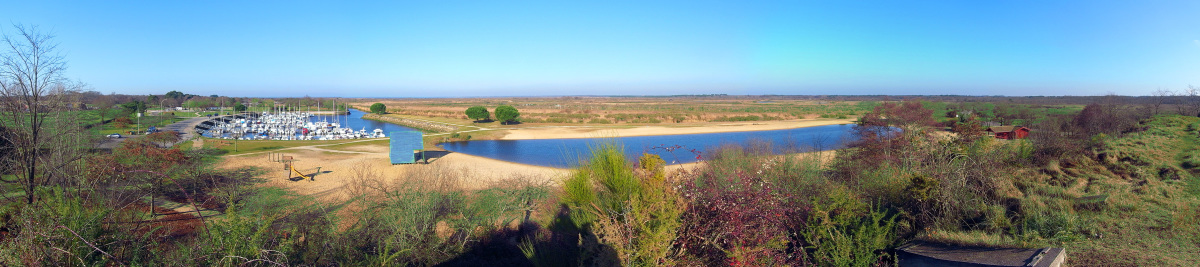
x: 507, y: 114
x: 968, y: 129
x: 401, y: 224
x: 378, y: 108
x: 478, y: 113
x: 739, y: 118
x: 63, y: 230
x: 735, y: 216
x: 122, y: 122
x: 1056, y: 137
x: 1105, y: 118
x: 636, y: 212
x: 842, y: 231
x: 163, y: 138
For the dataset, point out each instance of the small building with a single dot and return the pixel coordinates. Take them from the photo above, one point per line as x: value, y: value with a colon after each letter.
x: 1008, y: 132
x: 406, y: 147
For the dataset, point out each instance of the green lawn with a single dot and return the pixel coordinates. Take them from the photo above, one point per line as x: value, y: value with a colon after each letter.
x: 252, y: 146
x: 146, y: 123
x: 339, y: 146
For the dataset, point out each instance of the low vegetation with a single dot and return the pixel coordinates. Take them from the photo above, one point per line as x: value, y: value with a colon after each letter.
x: 507, y: 114
x: 637, y: 110
x: 478, y: 113
x: 1102, y: 181
x: 378, y: 108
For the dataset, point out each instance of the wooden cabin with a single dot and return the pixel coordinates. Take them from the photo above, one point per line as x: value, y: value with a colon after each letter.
x: 1008, y: 132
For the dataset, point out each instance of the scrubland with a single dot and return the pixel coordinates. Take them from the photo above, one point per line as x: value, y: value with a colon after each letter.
x: 631, y: 110
x: 1114, y: 184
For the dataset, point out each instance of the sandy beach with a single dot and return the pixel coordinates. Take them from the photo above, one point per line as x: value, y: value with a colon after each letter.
x: 339, y: 167
x: 562, y: 132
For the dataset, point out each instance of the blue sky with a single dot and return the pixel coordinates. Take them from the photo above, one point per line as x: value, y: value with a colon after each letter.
x: 525, y: 48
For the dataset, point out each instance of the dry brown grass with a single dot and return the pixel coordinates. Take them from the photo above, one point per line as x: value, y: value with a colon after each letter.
x: 625, y: 110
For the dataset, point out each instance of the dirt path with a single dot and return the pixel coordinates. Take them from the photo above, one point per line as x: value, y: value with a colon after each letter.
x: 312, y: 147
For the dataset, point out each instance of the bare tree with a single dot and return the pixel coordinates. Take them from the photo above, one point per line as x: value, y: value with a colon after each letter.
x: 35, y: 98
x: 1158, y: 99
x: 104, y: 107
x: 1192, y: 100
x: 1188, y: 101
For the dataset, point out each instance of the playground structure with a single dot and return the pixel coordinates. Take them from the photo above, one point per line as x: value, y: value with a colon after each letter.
x: 289, y: 165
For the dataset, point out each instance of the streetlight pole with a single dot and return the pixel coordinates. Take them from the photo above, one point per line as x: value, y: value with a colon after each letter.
x: 162, y: 115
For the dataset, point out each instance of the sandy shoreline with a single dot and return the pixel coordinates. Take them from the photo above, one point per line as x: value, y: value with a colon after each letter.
x: 609, y: 132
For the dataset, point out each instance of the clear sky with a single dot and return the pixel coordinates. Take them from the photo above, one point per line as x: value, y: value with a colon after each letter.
x: 524, y: 48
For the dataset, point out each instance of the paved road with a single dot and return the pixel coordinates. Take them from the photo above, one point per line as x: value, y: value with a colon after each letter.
x: 186, y: 128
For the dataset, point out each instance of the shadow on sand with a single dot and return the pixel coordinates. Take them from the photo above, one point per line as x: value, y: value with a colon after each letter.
x: 312, y: 176
x: 431, y: 156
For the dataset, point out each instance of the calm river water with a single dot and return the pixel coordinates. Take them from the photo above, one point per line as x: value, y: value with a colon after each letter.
x: 567, y: 152
x: 356, y: 122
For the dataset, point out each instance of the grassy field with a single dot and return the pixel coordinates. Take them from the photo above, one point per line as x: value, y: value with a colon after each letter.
x: 1131, y: 201
x: 253, y: 146
x: 344, y: 145
x: 146, y: 122
x: 1152, y: 212
x: 666, y: 111
x: 630, y: 110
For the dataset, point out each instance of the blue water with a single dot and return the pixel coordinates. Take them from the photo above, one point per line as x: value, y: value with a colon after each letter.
x: 356, y: 122
x: 567, y: 152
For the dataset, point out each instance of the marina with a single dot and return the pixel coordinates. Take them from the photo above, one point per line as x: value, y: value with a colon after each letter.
x: 295, y: 125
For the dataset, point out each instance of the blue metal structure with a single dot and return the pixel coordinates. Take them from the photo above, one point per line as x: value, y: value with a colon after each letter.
x: 405, y: 145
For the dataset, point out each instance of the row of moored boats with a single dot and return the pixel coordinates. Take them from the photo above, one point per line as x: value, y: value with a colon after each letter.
x: 287, y: 126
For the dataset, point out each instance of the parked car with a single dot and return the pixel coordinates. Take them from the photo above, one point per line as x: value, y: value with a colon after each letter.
x: 114, y: 136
